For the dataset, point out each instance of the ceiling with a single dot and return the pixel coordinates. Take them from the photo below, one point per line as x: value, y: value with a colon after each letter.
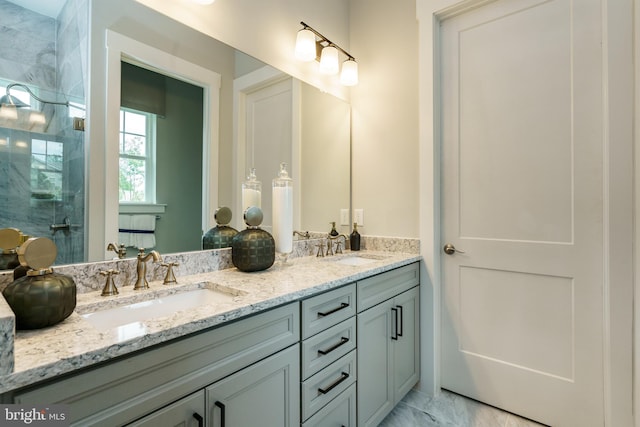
x: 49, y: 8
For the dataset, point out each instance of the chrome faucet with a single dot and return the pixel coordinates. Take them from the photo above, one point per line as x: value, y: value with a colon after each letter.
x: 120, y: 250
x: 141, y: 268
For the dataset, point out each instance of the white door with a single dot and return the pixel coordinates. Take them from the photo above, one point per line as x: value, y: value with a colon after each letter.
x: 522, y: 196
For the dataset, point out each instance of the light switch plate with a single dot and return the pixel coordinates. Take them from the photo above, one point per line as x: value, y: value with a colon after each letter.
x: 344, y: 216
x: 358, y: 216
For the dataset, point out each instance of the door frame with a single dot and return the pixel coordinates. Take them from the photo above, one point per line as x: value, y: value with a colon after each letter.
x: 618, y: 280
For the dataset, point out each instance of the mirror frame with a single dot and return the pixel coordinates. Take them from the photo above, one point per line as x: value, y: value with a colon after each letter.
x: 119, y: 48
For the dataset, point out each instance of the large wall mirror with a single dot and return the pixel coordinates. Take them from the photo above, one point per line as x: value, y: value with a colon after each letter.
x: 200, y: 165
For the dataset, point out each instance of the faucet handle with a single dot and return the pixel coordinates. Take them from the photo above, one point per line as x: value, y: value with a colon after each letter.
x: 170, y: 277
x: 320, y: 249
x: 109, y: 286
x: 338, y: 247
x: 330, y: 247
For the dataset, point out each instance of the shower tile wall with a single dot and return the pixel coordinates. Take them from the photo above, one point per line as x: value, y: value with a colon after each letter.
x: 51, y: 55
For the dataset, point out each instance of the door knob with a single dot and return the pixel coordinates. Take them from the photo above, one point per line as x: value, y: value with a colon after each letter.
x: 449, y: 249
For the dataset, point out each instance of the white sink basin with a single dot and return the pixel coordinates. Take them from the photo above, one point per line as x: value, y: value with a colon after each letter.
x: 355, y: 260
x: 162, y: 306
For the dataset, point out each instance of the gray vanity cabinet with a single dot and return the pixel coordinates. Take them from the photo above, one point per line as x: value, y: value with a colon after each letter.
x: 264, y: 394
x: 337, y: 358
x: 388, y: 342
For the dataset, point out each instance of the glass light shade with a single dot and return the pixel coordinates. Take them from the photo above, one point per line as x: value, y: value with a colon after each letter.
x: 8, y: 112
x: 37, y: 117
x: 305, y: 46
x: 349, y: 74
x: 203, y: 1
x: 329, y: 60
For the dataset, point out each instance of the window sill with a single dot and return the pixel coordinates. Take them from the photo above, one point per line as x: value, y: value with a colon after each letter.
x: 142, y: 208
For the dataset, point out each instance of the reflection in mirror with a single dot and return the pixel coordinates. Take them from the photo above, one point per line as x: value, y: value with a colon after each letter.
x: 53, y: 64
x: 41, y: 154
x: 281, y: 119
x: 160, y: 189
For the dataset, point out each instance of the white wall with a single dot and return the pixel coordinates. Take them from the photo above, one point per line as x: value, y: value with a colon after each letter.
x: 267, y: 29
x: 384, y: 40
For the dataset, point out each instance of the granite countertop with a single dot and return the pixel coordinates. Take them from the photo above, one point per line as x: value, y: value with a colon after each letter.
x: 75, y: 343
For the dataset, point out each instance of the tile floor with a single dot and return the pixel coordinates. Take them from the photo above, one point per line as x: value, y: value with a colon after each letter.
x: 449, y: 410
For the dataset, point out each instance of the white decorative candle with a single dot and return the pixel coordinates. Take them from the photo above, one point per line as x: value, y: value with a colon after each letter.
x: 282, y: 205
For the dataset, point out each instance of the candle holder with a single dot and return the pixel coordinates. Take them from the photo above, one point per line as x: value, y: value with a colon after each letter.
x: 251, y: 191
x: 282, y: 205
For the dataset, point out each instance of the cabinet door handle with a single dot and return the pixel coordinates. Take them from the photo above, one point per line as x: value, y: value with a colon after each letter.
x: 326, y: 313
x: 343, y: 341
x: 395, y: 326
x: 401, y: 321
x: 199, y: 418
x: 335, y: 384
x: 222, y: 410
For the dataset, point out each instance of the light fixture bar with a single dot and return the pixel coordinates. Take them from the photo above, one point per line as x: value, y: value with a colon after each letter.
x: 326, y: 40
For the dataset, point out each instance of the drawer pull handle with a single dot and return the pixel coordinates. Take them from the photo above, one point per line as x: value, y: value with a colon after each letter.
x: 343, y: 341
x: 222, y: 410
x: 199, y: 418
x: 335, y: 384
x: 326, y: 313
x: 401, y: 321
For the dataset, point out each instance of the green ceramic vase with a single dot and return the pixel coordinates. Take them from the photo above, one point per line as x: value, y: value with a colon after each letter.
x: 41, y: 301
x: 221, y: 235
x: 253, y: 249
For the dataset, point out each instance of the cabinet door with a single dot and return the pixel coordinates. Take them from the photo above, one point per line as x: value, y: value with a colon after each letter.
x: 186, y: 412
x: 263, y: 394
x: 406, y: 349
x: 375, y: 383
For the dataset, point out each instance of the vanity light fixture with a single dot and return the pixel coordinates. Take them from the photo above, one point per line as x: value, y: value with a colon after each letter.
x: 311, y: 45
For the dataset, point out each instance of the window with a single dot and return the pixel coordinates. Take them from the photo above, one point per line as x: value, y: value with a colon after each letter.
x: 137, y: 156
x: 46, y: 169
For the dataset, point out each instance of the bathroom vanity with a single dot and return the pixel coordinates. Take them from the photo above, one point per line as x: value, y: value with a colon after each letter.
x: 314, y: 343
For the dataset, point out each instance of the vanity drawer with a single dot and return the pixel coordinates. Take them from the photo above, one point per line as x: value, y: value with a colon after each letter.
x: 379, y: 288
x: 324, y: 386
x: 328, y: 346
x: 328, y: 309
x: 341, y: 411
